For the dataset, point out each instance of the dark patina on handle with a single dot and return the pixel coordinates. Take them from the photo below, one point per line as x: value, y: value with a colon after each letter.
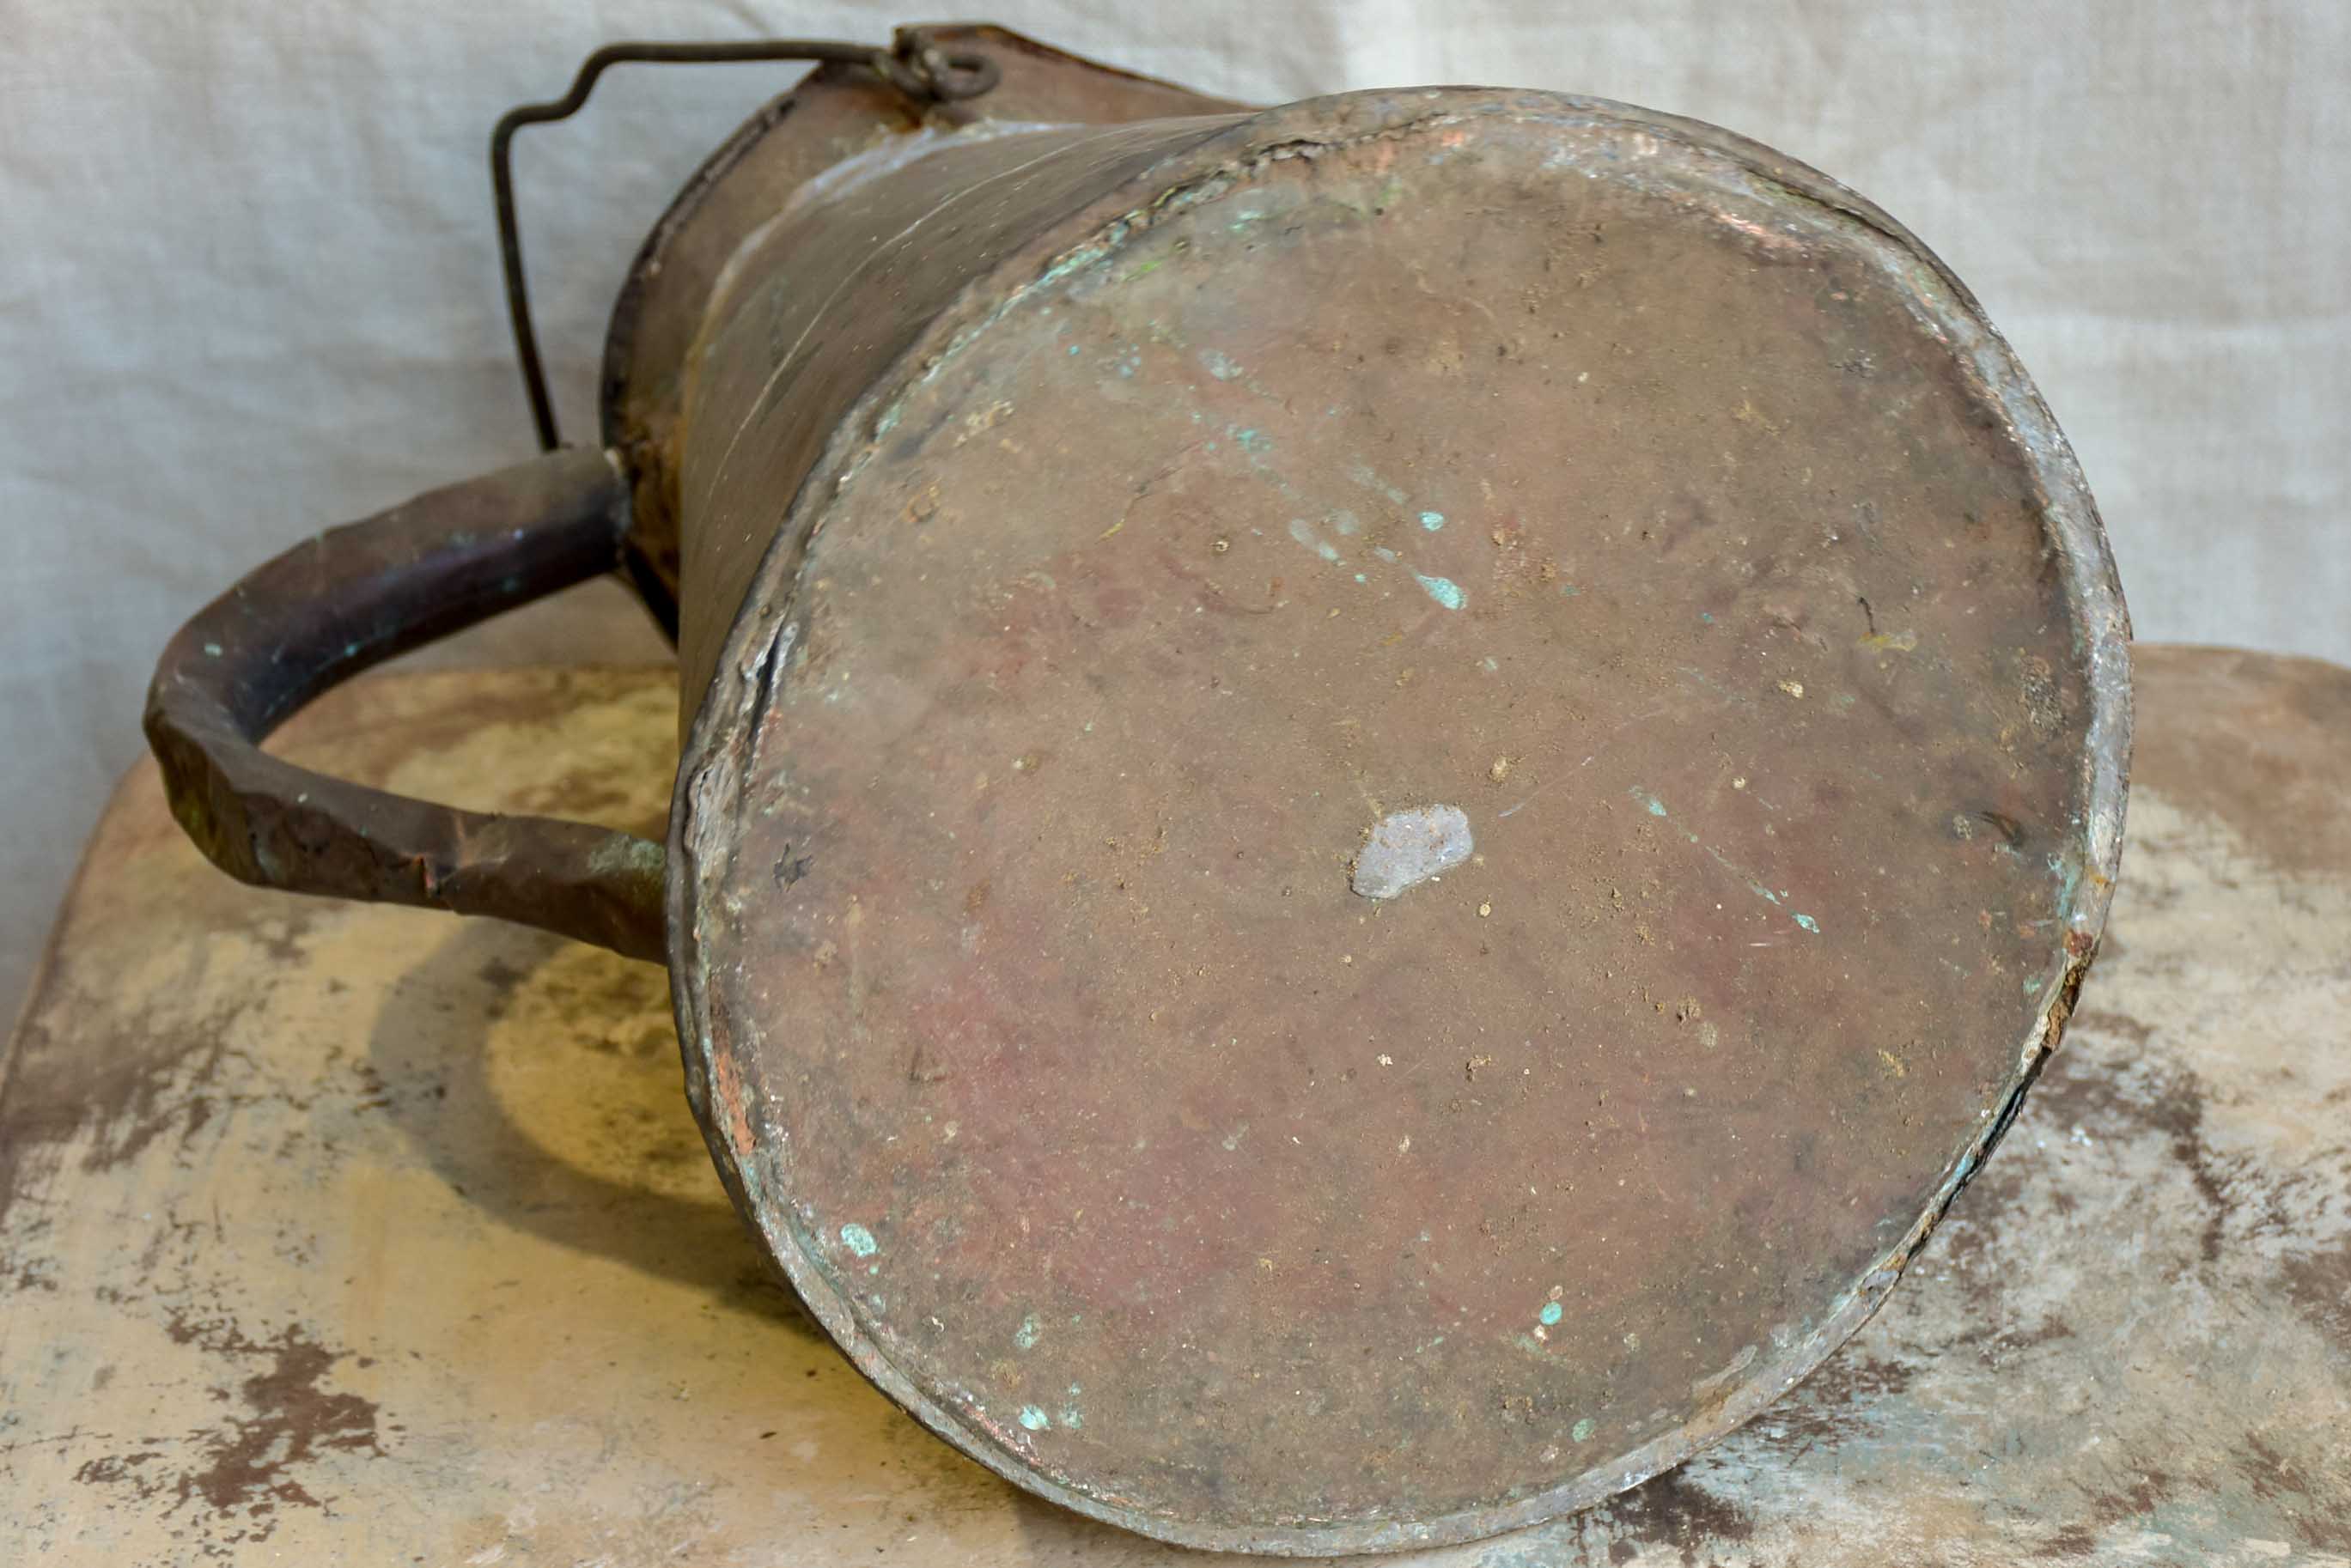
x: 349, y: 599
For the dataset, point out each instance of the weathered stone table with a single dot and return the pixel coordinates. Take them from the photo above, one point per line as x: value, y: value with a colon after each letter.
x: 332, y: 1233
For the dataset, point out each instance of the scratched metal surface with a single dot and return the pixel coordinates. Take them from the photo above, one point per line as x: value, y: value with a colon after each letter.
x: 1656, y: 507
x: 832, y: 114
x: 342, y: 1233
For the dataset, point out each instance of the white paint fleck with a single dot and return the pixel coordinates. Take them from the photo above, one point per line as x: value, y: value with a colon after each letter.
x: 1304, y: 532
x: 1361, y: 473
x: 1408, y: 848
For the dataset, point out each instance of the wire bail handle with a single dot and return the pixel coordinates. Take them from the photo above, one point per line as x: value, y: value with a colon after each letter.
x: 914, y: 64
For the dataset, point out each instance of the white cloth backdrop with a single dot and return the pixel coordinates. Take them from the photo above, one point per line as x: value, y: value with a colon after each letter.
x: 248, y: 285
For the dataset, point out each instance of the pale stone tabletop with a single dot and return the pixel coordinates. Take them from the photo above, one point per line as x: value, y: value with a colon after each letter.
x: 333, y: 1233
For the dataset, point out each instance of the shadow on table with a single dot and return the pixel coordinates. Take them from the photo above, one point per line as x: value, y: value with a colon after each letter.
x: 540, y: 1079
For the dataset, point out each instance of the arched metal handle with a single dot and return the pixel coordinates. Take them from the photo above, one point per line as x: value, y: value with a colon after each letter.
x: 352, y: 598
x: 912, y: 64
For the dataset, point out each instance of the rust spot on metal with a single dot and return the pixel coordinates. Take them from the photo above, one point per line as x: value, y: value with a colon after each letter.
x: 1673, y: 1512
x: 254, y: 1462
x: 241, y: 1473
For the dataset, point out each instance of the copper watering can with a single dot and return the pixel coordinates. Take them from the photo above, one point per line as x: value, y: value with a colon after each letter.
x: 1380, y: 797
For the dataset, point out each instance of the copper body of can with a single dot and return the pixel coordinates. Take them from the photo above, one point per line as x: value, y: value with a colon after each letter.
x: 1379, y: 798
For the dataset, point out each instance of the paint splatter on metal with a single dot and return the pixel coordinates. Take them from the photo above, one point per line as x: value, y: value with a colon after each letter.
x: 1408, y: 848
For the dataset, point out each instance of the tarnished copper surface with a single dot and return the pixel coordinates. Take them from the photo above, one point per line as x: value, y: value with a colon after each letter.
x: 1638, y: 494
x: 338, y: 1233
x: 776, y: 378
x: 833, y: 115
x: 1382, y: 796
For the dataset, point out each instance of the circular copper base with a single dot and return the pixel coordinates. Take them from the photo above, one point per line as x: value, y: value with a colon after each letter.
x: 1406, y: 825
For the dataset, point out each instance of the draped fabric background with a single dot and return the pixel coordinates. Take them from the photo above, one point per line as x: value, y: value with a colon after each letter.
x: 248, y: 281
